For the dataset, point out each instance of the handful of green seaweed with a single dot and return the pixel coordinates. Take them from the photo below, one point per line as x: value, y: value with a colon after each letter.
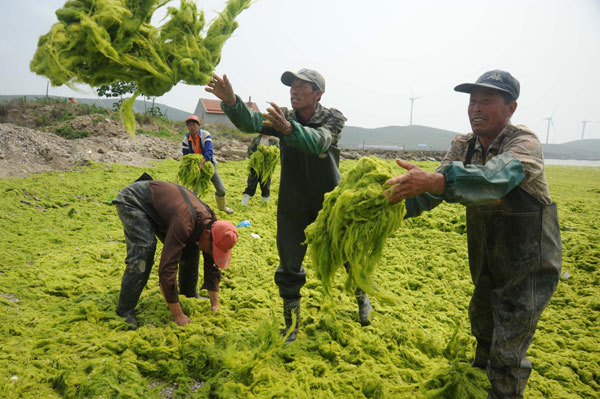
x: 264, y: 161
x: 194, y: 178
x: 100, y: 42
x: 353, y: 225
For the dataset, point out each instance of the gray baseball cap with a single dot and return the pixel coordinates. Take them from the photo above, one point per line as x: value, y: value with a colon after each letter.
x: 308, y: 75
x: 497, y: 80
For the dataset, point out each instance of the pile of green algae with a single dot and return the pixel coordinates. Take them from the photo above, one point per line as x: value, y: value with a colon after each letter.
x: 189, y: 175
x: 264, y: 161
x: 351, y: 228
x: 61, y: 262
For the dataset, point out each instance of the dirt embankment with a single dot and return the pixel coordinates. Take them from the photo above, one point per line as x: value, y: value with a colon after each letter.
x: 26, y: 149
x: 29, y: 145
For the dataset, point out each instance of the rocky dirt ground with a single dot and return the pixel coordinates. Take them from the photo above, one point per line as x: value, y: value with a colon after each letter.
x: 26, y: 148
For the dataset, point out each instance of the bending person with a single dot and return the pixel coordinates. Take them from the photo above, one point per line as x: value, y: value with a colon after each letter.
x: 149, y: 209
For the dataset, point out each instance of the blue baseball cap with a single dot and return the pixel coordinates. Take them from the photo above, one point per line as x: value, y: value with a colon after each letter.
x: 497, y: 80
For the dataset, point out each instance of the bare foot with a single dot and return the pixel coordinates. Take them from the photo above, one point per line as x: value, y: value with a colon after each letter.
x: 214, y: 300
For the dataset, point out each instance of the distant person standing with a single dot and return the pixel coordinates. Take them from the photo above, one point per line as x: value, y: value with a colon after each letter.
x: 198, y: 141
x: 253, y: 178
x: 308, y: 134
x: 513, y: 237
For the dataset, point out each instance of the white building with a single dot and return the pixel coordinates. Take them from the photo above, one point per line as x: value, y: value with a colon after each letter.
x: 210, y: 111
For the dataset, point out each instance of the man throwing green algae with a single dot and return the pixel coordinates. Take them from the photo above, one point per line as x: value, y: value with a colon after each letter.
x: 308, y: 136
x: 513, y: 237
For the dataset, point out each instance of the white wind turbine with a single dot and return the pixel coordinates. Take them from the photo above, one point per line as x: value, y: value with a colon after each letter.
x: 583, y: 128
x: 412, y: 99
x: 549, y: 119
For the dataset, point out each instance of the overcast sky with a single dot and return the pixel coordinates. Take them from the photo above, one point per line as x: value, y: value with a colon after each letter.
x: 375, y: 53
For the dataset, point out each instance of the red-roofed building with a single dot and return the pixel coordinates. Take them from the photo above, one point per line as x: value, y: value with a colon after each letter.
x: 210, y: 111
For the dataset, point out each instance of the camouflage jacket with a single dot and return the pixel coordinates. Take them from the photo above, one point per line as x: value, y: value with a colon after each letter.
x: 315, y: 137
x: 253, y: 146
x: 513, y: 159
x: 309, y: 155
x: 517, y: 141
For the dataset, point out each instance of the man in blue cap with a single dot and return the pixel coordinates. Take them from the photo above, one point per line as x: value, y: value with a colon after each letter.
x: 514, y: 244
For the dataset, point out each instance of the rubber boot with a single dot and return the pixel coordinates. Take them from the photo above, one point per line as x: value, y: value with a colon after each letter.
x: 482, y: 355
x: 291, y: 315
x: 364, y: 307
x: 245, y: 199
x: 129, y: 317
x: 133, y: 282
x: 221, y: 205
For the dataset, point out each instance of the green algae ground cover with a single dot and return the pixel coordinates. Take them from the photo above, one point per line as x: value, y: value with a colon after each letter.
x: 61, y: 262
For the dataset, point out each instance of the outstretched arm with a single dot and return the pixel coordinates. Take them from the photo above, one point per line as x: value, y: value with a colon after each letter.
x: 468, y: 185
x: 414, y: 182
x: 242, y: 117
x: 221, y: 87
x: 311, y: 140
x: 275, y: 119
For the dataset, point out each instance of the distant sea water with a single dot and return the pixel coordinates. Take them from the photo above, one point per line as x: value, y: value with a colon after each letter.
x: 571, y: 162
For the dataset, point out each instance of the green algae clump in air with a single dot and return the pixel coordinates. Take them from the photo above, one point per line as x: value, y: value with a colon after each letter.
x: 353, y: 225
x: 264, y: 161
x: 100, y: 42
x: 194, y: 178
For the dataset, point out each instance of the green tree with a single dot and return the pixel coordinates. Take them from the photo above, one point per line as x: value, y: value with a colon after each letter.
x: 117, y: 89
x: 154, y: 111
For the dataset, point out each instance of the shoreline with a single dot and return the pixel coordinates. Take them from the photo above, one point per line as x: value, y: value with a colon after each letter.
x: 347, y: 153
x: 572, y: 162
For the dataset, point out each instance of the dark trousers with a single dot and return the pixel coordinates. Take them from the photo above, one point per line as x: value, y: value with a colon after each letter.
x: 188, y: 271
x: 141, y: 238
x: 292, y: 219
x: 514, y: 256
x: 304, y: 181
x: 253, y: 181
